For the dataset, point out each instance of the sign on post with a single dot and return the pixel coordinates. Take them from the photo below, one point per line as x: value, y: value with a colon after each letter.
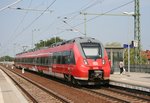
x: 126, y: 46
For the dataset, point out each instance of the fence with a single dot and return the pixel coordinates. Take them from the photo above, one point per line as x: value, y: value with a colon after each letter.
x: 139, y: 68
x: 134, y: 68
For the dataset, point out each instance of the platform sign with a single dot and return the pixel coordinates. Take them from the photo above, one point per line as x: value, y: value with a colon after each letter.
x: 126, y: 46
x: 135, y: 43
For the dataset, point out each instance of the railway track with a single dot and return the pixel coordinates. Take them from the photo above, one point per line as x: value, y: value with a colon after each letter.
x: 34, y: 99
x: 102, y: 94
x: 119, y: 95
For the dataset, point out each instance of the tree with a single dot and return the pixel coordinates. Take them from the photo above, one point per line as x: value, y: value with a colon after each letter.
x: 48, y: 42
x: 132, y: 60
x: 6, y: 58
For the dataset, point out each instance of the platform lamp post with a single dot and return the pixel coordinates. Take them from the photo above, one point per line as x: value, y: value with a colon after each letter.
x: 129, y: 14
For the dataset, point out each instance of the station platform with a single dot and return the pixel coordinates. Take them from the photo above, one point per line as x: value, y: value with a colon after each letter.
x: 132, y: 80
x: 8, y: 91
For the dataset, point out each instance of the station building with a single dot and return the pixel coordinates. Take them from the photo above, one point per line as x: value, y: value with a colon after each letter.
x: 115, y: 54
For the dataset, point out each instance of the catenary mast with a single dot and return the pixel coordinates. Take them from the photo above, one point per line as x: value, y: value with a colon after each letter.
x: 137, y: 36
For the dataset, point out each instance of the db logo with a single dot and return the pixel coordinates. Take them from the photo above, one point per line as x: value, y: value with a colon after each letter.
x: 95, y: 63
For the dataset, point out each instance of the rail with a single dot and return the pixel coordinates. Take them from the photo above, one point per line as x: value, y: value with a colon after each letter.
x: 54, y: 94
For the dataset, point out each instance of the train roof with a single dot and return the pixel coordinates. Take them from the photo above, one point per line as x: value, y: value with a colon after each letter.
x: 77, y: 40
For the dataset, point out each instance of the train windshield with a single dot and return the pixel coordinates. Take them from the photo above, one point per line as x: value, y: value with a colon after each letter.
x: 92, y: 50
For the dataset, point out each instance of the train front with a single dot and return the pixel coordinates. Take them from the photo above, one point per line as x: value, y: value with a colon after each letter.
x: 92, y: 64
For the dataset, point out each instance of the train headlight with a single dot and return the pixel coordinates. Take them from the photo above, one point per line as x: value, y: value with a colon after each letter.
x: 103, y: 61
x: 85, y: 62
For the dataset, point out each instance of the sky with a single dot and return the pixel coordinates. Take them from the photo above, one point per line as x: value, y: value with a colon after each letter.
x: 37, y: 20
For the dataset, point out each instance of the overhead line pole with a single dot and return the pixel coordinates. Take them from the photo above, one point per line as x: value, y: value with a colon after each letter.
x: 137, y: 35
x: 102, y: 14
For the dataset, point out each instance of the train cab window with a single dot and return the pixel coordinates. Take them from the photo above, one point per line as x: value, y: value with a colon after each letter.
x: 91, y: 50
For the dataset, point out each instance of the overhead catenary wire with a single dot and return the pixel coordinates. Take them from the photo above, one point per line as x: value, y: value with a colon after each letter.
x: 30, y: 9
x: 116, y: 8
x: 27, y: 27
x: 93, y: 4
x: 87, y: 6
x: 106, y: 12
x: 22, y: 20
x: 26, y: 12
x: 84, y: 8
x: 32, y: 22
x: 35, y: 19
x: 74, y: 13
x: 38, y: 16
x: 10, y: 5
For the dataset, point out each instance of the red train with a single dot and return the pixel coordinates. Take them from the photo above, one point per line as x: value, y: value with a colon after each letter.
x: 82, y: 60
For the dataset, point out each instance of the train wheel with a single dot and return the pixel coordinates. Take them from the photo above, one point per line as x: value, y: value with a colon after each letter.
x: 106, y: 83
x: 73, y: 81
x: 67, y: 77
x: 40, y: 72
x: 70, y: 79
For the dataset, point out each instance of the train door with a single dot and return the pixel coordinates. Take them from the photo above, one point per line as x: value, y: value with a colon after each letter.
x: 34, y: 67
x: 70, y: 65
x: 50, y: 62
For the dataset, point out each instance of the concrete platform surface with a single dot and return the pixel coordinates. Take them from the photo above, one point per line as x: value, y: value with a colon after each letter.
x: 8, y: 91
x: 139, y: 81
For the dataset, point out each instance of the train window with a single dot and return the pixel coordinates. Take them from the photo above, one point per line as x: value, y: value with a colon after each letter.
x: 46, y: 61
x: 26, y: 60
x: 59, y: 55
x: 91, y: 50
x: 30, y: 60
x: 38, y: 61
x: 50, y: 60
x: 65, y: 57
x: 54, y: 58
x: 18, y: 60
x: 34, y: 60
x: 42, y: 61
x: 22, y: 60
x: 57, y: 58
